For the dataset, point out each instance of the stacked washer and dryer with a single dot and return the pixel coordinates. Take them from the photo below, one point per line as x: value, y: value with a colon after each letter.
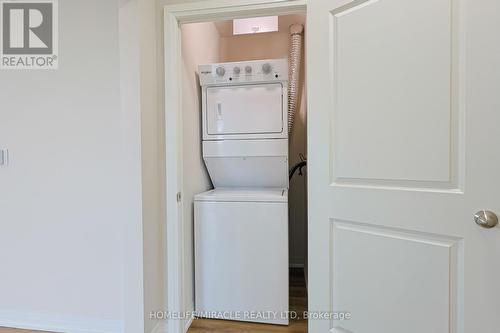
x: 241, y: 226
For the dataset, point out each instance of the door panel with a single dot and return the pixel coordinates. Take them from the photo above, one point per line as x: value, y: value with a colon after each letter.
x: 384, y: 130
x: 385, y: 277
x: 400, y: 136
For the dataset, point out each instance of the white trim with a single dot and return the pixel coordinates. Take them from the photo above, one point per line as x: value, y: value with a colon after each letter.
x: 173, y: 172
x: 58, y: 323
x: 174, y: 15
x: 188, y: 324
x: 215, y: 10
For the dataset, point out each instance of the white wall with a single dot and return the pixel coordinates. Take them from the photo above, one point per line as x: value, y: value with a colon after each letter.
x: 200, y: 45
x: 276, y: 45
x: 73, y: 182
x: 130, y: 104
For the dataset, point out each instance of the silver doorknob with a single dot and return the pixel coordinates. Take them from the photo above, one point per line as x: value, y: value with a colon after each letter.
x: 486, y: 219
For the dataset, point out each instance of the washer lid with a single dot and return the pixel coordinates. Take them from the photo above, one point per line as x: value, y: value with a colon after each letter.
x: 244, y: 195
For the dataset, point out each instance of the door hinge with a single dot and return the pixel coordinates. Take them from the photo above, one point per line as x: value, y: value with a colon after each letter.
x: 179, y: 196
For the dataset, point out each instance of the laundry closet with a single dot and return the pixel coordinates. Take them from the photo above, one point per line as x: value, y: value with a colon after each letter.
x: 244, y: 166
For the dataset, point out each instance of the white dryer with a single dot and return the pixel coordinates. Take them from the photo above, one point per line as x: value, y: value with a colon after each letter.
x: 245, y: 123
x: 241, y: 227
x: 245, y: 100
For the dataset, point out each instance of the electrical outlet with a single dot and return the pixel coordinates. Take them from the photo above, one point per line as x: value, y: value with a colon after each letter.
x: 4, y: 157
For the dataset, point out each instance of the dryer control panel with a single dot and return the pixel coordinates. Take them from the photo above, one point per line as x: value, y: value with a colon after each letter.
x: 258, y: 71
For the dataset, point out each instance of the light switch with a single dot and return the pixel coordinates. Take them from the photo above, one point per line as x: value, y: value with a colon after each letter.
x: 4, y: 157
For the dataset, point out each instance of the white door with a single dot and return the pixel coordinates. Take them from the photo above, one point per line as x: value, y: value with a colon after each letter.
x: 404, y: 149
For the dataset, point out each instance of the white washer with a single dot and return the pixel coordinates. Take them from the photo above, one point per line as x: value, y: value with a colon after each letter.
x: 241, y: 254
x: 241, y: 227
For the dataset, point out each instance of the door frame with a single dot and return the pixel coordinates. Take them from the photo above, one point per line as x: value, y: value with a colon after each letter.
x: 174, y: 16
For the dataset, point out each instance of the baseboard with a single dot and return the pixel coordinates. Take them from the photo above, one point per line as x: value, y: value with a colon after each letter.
x: 160, y: 327
x: 188, y: 324
x: 58, y: 323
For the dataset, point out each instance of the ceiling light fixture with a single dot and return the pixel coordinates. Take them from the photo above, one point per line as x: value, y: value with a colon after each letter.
x: 255, y: 25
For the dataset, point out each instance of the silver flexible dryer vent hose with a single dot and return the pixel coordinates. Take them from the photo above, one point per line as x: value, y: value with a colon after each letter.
x: 294, y: 71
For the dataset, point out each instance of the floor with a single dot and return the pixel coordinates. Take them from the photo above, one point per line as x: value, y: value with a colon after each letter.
x: 298, y: 303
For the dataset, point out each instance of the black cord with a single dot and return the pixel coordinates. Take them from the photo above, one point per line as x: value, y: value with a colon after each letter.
x: 298, y: 166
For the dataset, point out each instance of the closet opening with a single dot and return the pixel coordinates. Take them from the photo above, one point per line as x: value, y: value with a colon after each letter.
x: 244, y: 174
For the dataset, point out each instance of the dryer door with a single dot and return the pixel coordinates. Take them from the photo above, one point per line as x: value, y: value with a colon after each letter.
x: 246, y: 109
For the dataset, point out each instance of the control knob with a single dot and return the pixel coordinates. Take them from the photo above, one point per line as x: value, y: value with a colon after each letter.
x: 266, y: 68
x: 248, y: 69
x: 220, y: 71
